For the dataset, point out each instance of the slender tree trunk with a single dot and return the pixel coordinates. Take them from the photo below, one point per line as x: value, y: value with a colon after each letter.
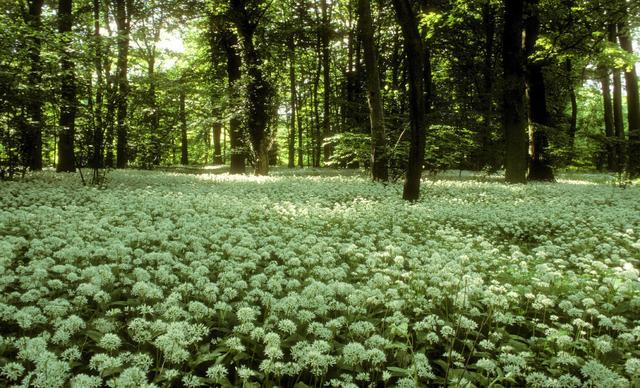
x: 111, y: 96
x: 123, y: 15
x: 154, y: 115
x: 109, y: 158
x: 539, y: 160
x: 292, y: 92
x: 98, y: 130
x: 573, y: 119
x: 486, y: 97
x: 414, y: 54
x: 379, y: 170
x: 326, y: 78
x: 184, y: 146
x: 32, y: 136
x: 633, y: 104
x: 608, y: 118
x: 230, y: 42
x: 316, y: 112
x: 514, y: 115
x: 66, y: 158
x: 618, y: 119
x: 299, y: 106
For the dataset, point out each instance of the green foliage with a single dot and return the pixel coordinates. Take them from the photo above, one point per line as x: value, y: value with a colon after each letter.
x: 312, y: 276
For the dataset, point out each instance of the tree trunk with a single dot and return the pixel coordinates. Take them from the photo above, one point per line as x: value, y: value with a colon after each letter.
x: 66, y: 158
x: 154, y: 115
x: 32, y: 136
x: 414, y: 54
x: 109, y: 157
x: 486, y: 97
x: 98, y: 130
x: 326, y: 78
x: 123, y: 15
x: 539, y: 160
x: 217, y: 149
x: 573, y: 120
x: 259, y: 91
x: 230, y: 42
x: 379, y: 169
x: 618, y: 119
x: 316, y: 112
x: 633, y: 105
x: 293, y: 97
x: 514, y: 113
x: 184, y: 147
x: 608, y: 118
x: 299, y: 105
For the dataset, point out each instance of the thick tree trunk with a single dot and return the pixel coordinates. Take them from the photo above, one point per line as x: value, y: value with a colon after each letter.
x: 618, y: 119
x: 217, y: 148
x: 97, y: 160
x: 184, y: 146
x: 414, y: 54
x: 633, y: 105
x: 539, y: 161
x: 326, y: 78
x: 230, y: 42
x: 379, y: 169
x: 258, y: 90
x: 66, y: 158
x: 608, y: 118
x: 514, y: 111
x: 32, y: 136
x: 293, y: 98
x: 123, y: 14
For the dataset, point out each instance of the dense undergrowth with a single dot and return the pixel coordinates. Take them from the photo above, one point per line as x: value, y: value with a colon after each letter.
x: 196, y: 280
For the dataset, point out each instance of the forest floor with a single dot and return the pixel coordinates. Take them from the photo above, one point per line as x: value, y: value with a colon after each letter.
x: 310, y: 277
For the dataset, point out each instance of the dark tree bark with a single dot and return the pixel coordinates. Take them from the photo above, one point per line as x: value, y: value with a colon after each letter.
x: 109, y: 156
x: 293, y: 98
x: 111, y: 95
x: 618, y: 119
x: 573, y: 119
x: 633, y: 105
x: 317, y: 149
x: 259, y: 91
x: 154, y: 114
x: 217, y: 148
x: 184, y: 146
x: 325, y: 35
x: 414, y: 54
x: 379, y: 170
x: 123, y: 21
x: 97, y: 159
x: 608, y: 118
x: 539, y: 161
x: 237, y: 160
x: 484, y: 136
x: 32, y: 136
x: 66, y: 158
x: 299, y: 104
x: 514, y: 116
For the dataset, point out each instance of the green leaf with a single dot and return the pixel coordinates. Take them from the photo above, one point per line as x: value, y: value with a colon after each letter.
x: 395, y: 371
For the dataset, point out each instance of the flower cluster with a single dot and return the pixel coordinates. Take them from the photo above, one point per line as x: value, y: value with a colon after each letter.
x: 176, y: 280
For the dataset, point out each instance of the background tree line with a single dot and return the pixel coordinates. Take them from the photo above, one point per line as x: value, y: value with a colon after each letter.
x: 397, y: 86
